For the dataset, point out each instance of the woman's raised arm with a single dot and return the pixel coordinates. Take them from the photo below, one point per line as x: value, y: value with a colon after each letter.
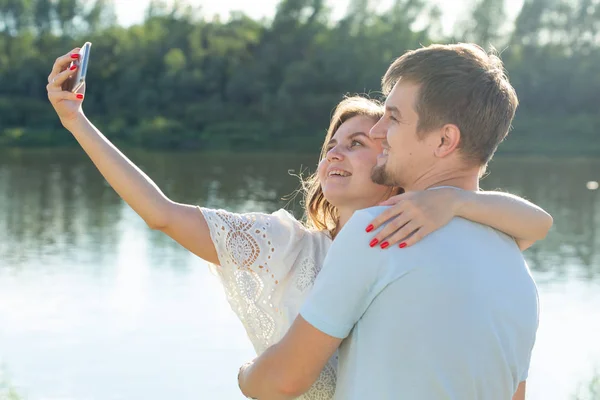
x: 184, y: 223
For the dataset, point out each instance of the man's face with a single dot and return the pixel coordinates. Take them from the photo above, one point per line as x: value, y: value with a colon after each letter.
x: 406, y: 157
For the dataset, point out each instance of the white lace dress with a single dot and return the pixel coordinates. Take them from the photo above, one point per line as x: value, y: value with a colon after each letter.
x: 268, y: 264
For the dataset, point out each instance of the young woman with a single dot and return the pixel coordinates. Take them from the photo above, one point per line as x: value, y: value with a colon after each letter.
x: 268, y: 262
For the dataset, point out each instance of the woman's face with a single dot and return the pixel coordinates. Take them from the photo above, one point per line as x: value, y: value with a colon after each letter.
x: 345, y: 172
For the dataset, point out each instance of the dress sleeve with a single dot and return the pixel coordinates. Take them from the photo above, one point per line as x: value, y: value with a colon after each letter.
x: 256, y: 254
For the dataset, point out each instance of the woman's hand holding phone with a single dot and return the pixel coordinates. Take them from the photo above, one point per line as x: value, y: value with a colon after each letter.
x: 67, y: 104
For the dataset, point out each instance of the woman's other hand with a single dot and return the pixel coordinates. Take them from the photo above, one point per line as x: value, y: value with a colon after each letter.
x: 414, y: 215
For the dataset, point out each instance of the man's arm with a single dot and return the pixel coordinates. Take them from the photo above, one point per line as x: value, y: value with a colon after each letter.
x: 342, y: 292
x: 520, y: 393
x: 290, y: 367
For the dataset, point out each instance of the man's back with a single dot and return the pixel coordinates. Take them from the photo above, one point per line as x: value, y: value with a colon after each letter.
x: 453, y: 317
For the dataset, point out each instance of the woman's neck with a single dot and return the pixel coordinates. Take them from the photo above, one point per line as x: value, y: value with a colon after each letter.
x: 345, y: 215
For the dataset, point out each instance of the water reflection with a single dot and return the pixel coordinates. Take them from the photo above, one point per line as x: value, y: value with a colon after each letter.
x: 559, y: 186
x: 89, y: 295
x: 53, y: 202
x: 50, y: 207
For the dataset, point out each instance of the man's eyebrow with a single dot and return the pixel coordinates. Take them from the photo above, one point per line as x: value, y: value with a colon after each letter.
x: 393, y: 110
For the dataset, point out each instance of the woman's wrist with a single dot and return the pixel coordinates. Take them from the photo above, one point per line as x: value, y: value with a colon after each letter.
x: 75, y: 123
x: 460, y: 201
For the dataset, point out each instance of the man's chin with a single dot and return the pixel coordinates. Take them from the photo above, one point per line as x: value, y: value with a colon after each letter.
x: 380, y: 175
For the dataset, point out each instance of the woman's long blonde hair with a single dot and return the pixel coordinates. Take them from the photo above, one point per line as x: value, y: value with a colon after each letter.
x: 320, y: 214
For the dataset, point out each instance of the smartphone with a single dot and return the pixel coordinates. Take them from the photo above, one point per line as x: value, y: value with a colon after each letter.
x: 75, y: 81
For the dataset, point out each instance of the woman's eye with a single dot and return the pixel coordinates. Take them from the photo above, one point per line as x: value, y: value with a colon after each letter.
x: 355, y: 143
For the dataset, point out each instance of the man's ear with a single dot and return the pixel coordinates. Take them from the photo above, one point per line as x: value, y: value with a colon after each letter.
x: 449, y: 138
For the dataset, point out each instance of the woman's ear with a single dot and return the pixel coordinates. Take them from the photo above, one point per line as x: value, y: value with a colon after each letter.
x: 449, y: 140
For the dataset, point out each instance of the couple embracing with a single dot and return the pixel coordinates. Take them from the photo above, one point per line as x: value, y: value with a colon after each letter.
x: 405, y: 281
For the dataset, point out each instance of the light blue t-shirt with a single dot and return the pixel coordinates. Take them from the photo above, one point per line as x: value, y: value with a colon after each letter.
x: 452, y: 317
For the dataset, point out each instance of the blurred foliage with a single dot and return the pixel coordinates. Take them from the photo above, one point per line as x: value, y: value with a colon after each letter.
x: 7, y: 390
x: 182, y: 80
x: 589, y: 390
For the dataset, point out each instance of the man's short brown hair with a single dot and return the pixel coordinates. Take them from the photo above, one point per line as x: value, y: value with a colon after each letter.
x: 463, y: 85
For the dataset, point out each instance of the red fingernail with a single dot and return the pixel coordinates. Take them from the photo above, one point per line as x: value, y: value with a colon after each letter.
x: 80, y: 96
x: 74, y: 55
x: 374, y: 242
x: 384, y: 245
x: 402, y: 245
x: 73, y: 67
x: 370, y: 228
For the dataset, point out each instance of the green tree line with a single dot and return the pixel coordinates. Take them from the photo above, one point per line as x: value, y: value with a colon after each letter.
x: 183, y: 80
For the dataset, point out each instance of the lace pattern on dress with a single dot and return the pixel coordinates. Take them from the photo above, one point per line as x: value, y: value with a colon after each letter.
x: 307, y: 274
x: 324, y: 387
x: 263, y: 258
x: 246, y: 245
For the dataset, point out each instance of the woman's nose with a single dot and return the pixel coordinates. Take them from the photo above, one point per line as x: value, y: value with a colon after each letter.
x: 334, y: 155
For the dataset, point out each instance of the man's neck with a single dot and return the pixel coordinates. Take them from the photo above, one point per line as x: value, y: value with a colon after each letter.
x: 463, y: 179
x: 467, y: 179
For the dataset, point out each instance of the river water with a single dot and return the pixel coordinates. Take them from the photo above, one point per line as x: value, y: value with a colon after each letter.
x: 94, y: 305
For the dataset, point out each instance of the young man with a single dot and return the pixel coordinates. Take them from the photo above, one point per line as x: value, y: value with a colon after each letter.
x: 452, y: 317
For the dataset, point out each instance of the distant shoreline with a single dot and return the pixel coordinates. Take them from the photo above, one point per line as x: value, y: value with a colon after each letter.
x: 505, y: 151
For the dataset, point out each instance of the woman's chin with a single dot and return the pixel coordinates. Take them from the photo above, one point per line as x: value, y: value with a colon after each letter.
x: 335, y: 195
x: 335, y: 185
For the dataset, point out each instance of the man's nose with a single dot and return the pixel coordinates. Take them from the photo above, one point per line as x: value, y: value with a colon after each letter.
x: 378, y: 131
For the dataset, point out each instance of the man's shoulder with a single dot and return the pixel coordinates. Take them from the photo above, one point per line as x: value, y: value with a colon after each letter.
x: 354, y: 231
x: 458, y: 228
x: 352, y: 242
x: 365, y: 214
x: 464, y: 229
x: 371, y: 211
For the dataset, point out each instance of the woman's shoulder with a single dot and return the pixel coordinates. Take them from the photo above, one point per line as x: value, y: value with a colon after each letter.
x: 285, y: 216
x: 280, y: 221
